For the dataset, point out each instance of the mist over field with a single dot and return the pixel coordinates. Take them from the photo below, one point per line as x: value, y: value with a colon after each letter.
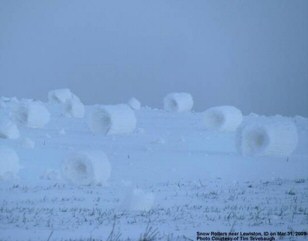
x: 250, y: 54
x: 153, y: 120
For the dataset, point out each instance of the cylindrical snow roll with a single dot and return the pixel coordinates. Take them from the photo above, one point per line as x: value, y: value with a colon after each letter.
x: 178, y: 102
x: 74, y: 107
x: 222, y: 118
x: 113, y: 119
x: 86, y: 168
x: 8, y: 129
x: 273, y: 138
x: 59, y: 95
x: 64, y: 102
x: 32, y: 114
x: 134, y: 104
x: 9, y: 163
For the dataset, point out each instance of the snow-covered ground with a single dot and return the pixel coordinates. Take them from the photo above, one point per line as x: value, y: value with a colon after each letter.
x: 170, y: 179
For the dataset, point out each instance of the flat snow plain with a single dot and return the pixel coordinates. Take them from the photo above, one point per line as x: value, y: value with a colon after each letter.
x: 198, y: 180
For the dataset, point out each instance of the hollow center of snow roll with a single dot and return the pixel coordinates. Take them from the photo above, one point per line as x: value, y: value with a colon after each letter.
x: 79, y: 170
x: 256, y: 140
x: 214, y: 120
x: 105, y: 121
x: 101, y: 121
x: 173, y: 105
x: 68, y: 107
x: 22, y: 115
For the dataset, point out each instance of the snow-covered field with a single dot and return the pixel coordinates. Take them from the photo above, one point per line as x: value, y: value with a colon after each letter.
x: 170, y: 178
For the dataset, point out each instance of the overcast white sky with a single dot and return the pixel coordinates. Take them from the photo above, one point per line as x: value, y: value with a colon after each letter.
x: 251, y: 54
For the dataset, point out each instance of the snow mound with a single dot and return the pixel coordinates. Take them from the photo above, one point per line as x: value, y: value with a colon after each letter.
x: 27, y: 143
x: 178, y: 102
x: 113, y: 119
x: 32, y: 114
x: 138, y: 200
x: 83, y: 168
x: 160, y: 141
x: 51, y: 175
x: 222, y: 118
x: 301, y: 122
x: 134, y: 104
x: 8, y: 129
x: 267, y: 138
x: 59, y: 95
x: 9, y: 163
x: 62, y: 132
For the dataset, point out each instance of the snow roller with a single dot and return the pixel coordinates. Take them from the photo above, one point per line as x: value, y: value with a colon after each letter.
x: 270, y: 138
x: 178, y: 102
x: 222, y: 118
x: 112, y: 119
x: 86, y: 168
x: 31, y: 113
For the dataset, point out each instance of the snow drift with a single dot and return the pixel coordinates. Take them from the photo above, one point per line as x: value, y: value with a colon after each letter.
x: 86, y: 168
x: 178, y: 102
x: 272, y: 138
x: 138, y: 200
x: 134, y: 104
x: 8, y: 129
x: 31, y: 113
x: 112, y: 119
x: 9, y: 163
x: 222, y: 118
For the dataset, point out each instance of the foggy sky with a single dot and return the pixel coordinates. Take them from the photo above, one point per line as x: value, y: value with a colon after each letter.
x: 251, y: 54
